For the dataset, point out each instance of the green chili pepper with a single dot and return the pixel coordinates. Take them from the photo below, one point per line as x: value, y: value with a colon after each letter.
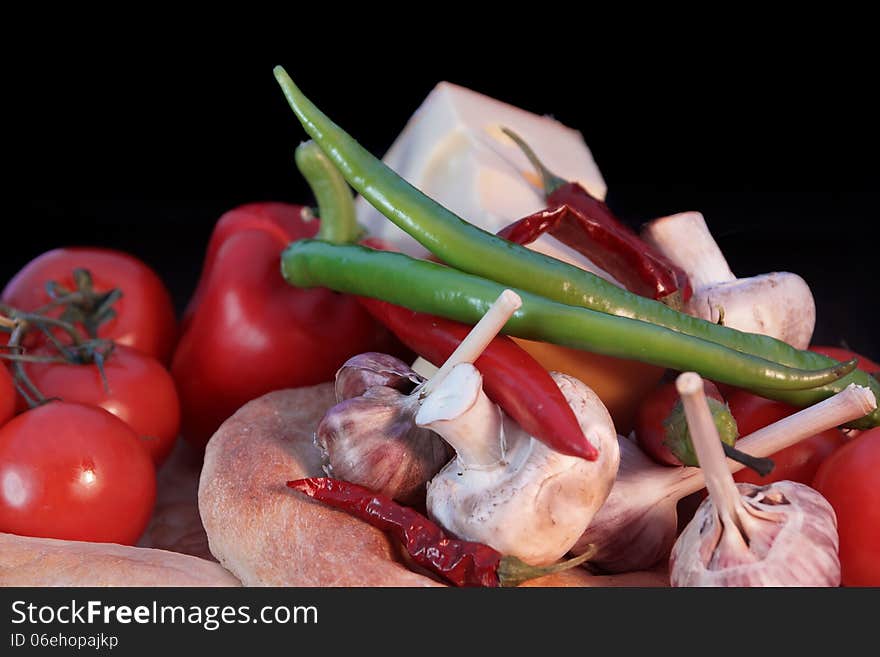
x: 432, y: 288
x: 336, y: 207
x: 471, y: 249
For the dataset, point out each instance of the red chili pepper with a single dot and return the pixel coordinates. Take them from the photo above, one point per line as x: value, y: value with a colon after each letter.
x: 587, y: 225
x: 511, y: 377
x: 462, y: 563
x: 247, y: 332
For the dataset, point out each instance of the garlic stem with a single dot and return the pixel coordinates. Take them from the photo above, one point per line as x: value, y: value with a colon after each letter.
x: 424, y: 368
x: 507, y: 303
x: 849, y: 404
x: 707, y: 445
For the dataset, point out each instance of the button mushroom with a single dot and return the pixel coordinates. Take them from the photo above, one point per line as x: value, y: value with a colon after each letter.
x: 778, y: 304
x: 505, y: 488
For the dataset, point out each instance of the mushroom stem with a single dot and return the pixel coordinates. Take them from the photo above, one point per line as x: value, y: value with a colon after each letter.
x: 685, y: 239
x: 465, y: 417
x: 507, y: 303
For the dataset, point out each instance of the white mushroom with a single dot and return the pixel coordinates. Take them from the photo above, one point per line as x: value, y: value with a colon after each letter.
x: 778, y: 304
x: 507, y: 489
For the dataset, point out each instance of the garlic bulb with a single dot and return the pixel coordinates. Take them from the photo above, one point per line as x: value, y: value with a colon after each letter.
x: 782, y: 534
x: 636, y: 527
x: 363, y: 371
x: 792, y: 541
x: 370, y: 438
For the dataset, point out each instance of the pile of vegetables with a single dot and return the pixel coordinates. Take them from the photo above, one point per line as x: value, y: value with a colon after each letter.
x: 449, y: 432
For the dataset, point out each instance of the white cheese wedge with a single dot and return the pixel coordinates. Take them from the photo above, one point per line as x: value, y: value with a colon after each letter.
x: 454, y: 151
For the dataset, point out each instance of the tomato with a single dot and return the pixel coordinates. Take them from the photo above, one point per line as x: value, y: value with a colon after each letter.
x: 796, y: 463
x: 74, y: 472
x: 7, y: 395
x: 656, y: 409
x: 144, y: 314
x: 139, y: 391
x: 850, y: 480
x: 838, y: 353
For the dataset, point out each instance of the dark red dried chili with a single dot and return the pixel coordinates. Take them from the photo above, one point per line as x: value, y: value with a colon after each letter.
x: 462, y: 563
x: 587, y: 225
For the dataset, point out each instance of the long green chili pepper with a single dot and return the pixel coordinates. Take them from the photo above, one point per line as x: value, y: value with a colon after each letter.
x: 432, y: 288
x: 467, y: 247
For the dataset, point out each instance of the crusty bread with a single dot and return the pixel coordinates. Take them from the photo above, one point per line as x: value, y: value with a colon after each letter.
x: 268, y: 535
x: 26, y: 561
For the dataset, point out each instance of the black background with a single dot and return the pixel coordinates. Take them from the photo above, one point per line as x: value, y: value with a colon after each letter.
x: 144, y: 153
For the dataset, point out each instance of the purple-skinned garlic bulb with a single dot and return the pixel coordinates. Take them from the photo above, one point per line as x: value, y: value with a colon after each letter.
x: 370, y: 437
x: 781, y: 534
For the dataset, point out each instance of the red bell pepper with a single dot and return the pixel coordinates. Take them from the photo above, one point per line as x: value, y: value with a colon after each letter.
x: 247, y: 332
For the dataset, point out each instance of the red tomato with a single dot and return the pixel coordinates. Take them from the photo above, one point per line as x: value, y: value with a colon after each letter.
x: 838, y: 353
x: 139, y: 391
x: 654, y: 411
x: 850, y: 480
x: 7, y: 395
x: 74, y: 472
x: 144, y: 315
x: 796, y: 463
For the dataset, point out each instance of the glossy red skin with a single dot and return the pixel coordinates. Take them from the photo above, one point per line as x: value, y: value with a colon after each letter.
x: 247, y: 332
x: 7, y: 395
x: 796, y: 463
x: 141, y: 393
x: 511, y: 377
x: 843, y: 355
x: 45, y: 490
x: 592, y: 229
x: 144, y: 315
x: 654, y: 410
x: 849, y: 480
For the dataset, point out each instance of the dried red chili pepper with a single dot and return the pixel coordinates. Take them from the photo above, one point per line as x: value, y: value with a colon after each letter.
x: 587, y: 225
x: 462, y: 563
x: 512, y: 378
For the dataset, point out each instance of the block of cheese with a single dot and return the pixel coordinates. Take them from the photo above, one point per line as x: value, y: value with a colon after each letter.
x: 454, y: 151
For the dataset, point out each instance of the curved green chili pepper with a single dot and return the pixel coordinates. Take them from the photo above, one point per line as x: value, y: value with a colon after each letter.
x: 335, y: 204
x: 432, y: 288
x: 471, y: 249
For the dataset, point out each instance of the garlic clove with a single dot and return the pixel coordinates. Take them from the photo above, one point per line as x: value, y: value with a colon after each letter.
x: 363, y: 371
x: 636, y: 526
x: 792, y: 541
x: 372, y: 440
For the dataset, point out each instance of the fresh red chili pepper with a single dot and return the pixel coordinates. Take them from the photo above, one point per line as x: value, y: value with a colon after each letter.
x: 462, y: 563
x: 247, y: 332
x: 511, y: 377
x: 587, y: 225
